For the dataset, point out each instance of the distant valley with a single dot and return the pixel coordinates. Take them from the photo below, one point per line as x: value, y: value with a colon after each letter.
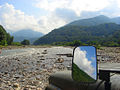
x: 26, y: 34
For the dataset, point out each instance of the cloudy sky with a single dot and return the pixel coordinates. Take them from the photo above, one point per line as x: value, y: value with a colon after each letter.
x: 46, y: 15
x: 85, y: 59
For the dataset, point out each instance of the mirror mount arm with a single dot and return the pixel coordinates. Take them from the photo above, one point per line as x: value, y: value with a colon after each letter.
x: 105, y: 76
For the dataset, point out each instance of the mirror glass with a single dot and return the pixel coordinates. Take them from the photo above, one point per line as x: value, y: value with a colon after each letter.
x: 84, y: 65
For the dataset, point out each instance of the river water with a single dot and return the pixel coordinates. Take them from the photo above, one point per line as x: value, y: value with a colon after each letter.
x: 16, y: 51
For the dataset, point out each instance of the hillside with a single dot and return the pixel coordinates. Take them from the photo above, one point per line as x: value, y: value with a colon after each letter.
x: 95, y: 21
x: 102, y: 32
x: 92, y: 21
x: 80, y: 76
x: 99, y: 28
x: 26, y: 34
x: 116, y: 20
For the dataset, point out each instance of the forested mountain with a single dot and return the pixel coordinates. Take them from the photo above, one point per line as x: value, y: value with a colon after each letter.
x: 26, y: 34
x: 91, y: 21
x: 84, y: 33
x: 95, y: 21
x: 101, y: 29
x: 5, y: 38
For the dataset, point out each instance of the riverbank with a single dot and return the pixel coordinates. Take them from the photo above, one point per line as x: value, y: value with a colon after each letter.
x: 31, y: 69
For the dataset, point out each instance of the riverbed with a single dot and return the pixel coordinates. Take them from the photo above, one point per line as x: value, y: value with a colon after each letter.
x: 30, y: 68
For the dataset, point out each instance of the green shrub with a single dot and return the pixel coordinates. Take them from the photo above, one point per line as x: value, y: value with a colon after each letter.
x: 16, y: 43
x: 4, y: 43
x: 25, y: 42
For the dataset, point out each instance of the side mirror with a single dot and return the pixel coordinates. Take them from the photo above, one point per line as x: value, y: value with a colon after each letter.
x: 84, y: 64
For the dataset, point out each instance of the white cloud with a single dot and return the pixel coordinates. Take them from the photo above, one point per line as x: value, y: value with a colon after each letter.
x: 118, y: 1
x: 109, y: 8
x: 87, y: 5
x: 50, y: 22
x: 76, y: 5
x: 82, y: 62
x: 14, y: 20
x: 51, y: 5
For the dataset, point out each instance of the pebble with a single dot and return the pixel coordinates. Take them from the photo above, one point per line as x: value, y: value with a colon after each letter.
x: 16, y: 86
x: 60, y: 60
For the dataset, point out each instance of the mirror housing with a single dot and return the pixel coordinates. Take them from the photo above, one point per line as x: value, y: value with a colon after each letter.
x: 84, y: 64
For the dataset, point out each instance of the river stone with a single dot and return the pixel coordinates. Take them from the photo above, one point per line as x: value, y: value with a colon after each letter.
x: 39, y: 88
x: 60, y: 60
x: 44, y: 52
x: 16, y: 86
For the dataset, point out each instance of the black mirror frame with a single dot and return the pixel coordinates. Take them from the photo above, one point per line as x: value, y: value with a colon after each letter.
x: 96, y: 66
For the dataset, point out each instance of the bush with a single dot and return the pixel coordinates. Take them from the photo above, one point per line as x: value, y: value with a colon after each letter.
x: 111, y: 44
x: 25, y: 42
x: 16, y: 43
x: 3, y: 42
x: 75, y: 43
x: 1, y: 46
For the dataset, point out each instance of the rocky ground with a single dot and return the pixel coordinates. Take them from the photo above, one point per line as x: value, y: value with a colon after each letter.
x: 31, y: 70
x: 108, y: 54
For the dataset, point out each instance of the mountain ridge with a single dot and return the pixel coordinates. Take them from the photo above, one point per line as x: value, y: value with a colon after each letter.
x: 26, y: 34
x: 70, y: 33
x: 95, y: 21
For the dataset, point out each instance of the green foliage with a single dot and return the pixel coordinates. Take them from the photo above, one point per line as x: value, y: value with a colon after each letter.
x: 111, y: 44
x: 59, y: 43
x: 92, y: 35
x: 2, y: 33
x: 5, y: 38
x: 93, y: 43
x: 25, y: 42
x: 16, y: 43
x: 77, y: 43
x: 81, y: 76
x: 4, y: 43
x: 73, y: 43
x: 1, y: 46
x: 118, y: 42
x: 9, y: 39
x: 92, y: 21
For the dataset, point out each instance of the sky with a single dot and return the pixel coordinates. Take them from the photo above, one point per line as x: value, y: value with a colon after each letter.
x: 46, y: 15
x: 85, y: 59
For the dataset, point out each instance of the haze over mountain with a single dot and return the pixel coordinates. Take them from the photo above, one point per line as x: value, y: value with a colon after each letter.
x: 116, y: 20
x: 26, y: 34
x: 95, y: 21
x: 100, y: 28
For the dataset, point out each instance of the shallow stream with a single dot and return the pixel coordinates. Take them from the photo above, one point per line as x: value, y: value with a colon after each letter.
x: 15, y: 51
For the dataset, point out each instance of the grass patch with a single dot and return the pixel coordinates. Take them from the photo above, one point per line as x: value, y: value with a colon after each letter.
x: 80, y: 76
